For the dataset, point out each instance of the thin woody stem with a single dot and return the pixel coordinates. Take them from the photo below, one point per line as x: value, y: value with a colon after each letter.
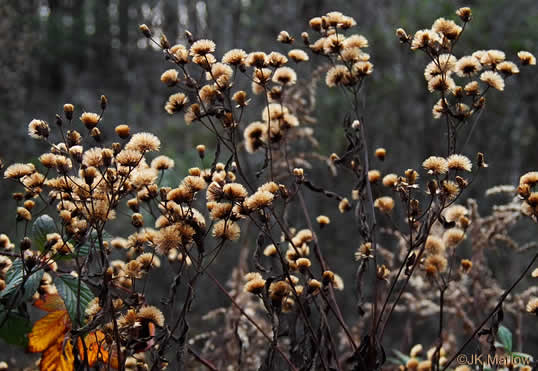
x: 493, y: 311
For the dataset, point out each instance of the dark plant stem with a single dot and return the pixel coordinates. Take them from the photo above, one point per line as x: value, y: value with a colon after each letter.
x: 492, y: 313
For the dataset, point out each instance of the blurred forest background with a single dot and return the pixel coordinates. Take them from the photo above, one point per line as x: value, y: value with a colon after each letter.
x: 60, y: 51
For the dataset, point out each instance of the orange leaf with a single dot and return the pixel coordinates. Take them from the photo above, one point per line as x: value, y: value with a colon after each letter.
x: 47, y: 330
x: 95, y: 348
x: 113, y: 360
x: 51, y: 303
x: 58, y: 357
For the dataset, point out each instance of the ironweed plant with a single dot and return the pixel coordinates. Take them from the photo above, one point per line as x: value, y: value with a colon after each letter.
x: 284, y: 312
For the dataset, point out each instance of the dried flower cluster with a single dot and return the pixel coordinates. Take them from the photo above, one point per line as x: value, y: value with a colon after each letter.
x: 284, y: 311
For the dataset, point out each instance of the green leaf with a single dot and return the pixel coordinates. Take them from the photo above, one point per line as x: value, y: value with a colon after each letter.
x: 67, y: 286
x: 15, y: 329
x: 404, y: 358
x: 91, y: 242
x: 41, y: 227
x: 505, y: 336
x: 14, y: 280
x: 394, y: 361
x: 32, y: 284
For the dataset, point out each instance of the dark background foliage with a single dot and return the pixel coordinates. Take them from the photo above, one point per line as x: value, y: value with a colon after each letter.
x: 60, y: 51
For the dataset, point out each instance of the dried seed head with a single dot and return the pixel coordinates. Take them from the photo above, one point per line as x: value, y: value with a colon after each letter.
x: 163, y: 41
x: 382, y: 272
x: 255, y: 286
x: 298, y: 172
x: 23, y: 214
x: 344, y: 205
x: 226, y: 230
x: 298, y: 55
x: 176, y: 103
x: 447, y: 27
x: 162, y: 163
x: 402, y: 35
x: 306, y: 38
x: 390, y: 180
x: 526, y: 58
x: 374, y: 176
x: 303, y: 263
x: 202, y: 47
x: 459, y: 162
x: 313, y: 286
x: 137, y: 220
x: 285, y: 76
x: 466, y: 265
x: 493, y: 79
x: 259, y: 200
x: 532, y: 306
x: 270, y: 250
x: 151, y: 314
x: 235, y: 57
x: 327, y: 277
x: 38, y: 129
x: 384, y: 204
x: 435, y: 264
x: 453, y: 237
x: 279, y: 290
x: 170, y: 77
x: 364, y: 251
x: 90, y: 119
x: 95, y: 133
x: 143, y: 142
x: 380, y: 153
x: 412, y: 364
x: 73, y: 138
x: 323, y: 220
x: 200, y: 148
x: 462, y: 183
x: 416, y: 350
x: 435, y: 165
x: 481, y: 160
x: 465, y: 14
x: 315, y: 23
x: 285, y: 38
x: 434, y: 245
x: 425, y: 38
x: 338, y: 75
x: 5, y: 242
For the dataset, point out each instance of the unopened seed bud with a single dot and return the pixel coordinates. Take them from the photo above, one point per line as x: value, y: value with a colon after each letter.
x: 201, y: 150
x: 104, y: 102
x: 481, y: 160
x: 123, y: 131
x: 26, y: 244
x: 306, y: 38
x: 137, y: 220
x: 188, y: 36
x: 58, y: 120
x: 164, y: 42
x: 96, y: 134
x: 68, y: 111
x: 145, y: 30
